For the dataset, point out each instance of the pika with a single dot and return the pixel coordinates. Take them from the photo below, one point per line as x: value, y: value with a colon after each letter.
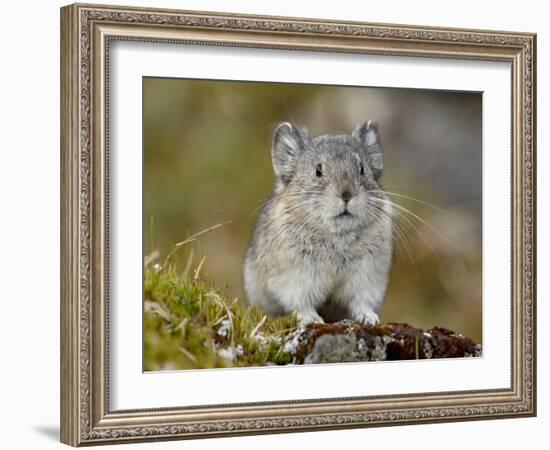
x: 322, y: 245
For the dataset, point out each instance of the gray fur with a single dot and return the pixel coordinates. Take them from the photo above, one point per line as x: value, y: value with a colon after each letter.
x: 307, y: 255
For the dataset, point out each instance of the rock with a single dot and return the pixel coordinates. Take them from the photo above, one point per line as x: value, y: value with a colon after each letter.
x: 330, y: 348
x: 347, y: 341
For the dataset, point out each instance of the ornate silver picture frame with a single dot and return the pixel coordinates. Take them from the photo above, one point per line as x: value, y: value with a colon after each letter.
x: 87, y: 33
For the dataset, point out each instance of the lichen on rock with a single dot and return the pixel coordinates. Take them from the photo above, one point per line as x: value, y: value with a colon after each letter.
x: 347, y: 341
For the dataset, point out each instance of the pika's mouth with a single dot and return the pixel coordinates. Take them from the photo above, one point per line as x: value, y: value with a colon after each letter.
x: 344, y: 213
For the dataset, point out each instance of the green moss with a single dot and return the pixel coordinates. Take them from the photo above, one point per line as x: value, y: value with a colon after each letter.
x: 189, y: 324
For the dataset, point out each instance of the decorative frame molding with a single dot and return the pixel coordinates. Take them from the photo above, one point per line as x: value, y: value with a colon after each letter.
x: 86, y: 31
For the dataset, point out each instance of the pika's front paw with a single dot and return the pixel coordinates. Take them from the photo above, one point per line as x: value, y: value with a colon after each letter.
x: 309, y: 317
x: 366, y: 318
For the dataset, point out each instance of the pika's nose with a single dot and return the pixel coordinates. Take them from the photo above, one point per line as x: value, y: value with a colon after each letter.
x: 346, y: 196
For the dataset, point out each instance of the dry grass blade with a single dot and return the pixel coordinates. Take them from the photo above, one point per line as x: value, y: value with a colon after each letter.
x: 188, y: 264
x: 257, y: 327
x: 188, y: 355
x: 155, y: 308
x: 198, y: 269
x: 220, y: 301
x: 193, y: 238
x: 150, y: 258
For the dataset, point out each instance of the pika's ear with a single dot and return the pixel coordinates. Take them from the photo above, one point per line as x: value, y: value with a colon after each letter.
x: 288, y: 142
x: 367, y: 134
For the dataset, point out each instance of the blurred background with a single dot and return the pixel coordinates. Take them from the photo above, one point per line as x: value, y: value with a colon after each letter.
x: 207, y: 161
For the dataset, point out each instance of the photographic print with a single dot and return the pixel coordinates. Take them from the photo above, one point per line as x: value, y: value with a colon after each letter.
x: 289, y: 224
x: 304, y: 204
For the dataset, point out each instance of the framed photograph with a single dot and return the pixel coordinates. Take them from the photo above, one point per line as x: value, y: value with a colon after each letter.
x: 277, y: 224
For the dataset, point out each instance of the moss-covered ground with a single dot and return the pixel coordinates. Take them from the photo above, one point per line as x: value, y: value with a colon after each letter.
x: 190, y: 324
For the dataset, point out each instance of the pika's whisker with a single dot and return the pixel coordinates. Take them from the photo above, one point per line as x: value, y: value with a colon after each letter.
x: 422, y: 202
x: 284, y: 195
x: 429, y: 225
x: 418, y: 232
x: 400, y: 235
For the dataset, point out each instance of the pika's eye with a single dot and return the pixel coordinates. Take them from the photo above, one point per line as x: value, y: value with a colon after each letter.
x: 362, y: 169
x: 319, y: 170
